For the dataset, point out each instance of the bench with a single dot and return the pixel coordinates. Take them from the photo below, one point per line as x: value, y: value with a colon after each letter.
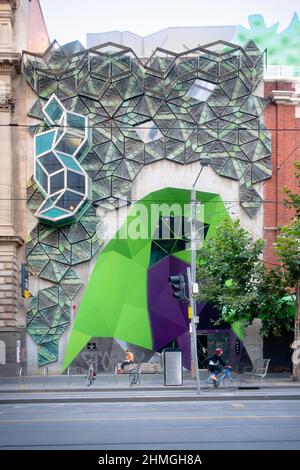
x: 259, y: 369
x: 146, y: 368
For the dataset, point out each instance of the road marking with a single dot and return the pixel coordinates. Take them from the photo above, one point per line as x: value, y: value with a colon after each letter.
x: 195, y: 418
x: 238, y: 405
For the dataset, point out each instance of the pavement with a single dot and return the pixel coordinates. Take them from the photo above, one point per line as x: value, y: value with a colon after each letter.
x: 115, y: 388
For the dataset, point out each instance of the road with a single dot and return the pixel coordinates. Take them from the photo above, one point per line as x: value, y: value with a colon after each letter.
x: 261, y: 424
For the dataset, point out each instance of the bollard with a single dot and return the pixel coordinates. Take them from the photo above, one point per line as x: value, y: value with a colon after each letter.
x: 21, y: 377
x: 69, y: 380
x: 46, y: 376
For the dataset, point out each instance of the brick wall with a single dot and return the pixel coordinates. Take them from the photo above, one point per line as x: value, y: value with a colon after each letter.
x: 285, y: 128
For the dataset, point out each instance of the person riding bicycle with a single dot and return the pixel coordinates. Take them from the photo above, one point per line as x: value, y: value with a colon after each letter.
x: 214, y: 364
x: 129, y: 359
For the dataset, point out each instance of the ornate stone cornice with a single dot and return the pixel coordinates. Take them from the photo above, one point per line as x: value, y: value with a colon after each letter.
x: 14, y: 3
x: 10, y: 62
x: 286, y: 97
x: 11, y: 239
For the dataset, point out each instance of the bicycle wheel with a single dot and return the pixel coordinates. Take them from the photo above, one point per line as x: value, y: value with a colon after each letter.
x: 88, y: 381
x: 133, y: 377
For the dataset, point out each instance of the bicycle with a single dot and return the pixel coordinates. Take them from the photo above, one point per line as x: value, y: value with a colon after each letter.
x: 221, y: 381
x: 91, y: 375
x: 135, y: 375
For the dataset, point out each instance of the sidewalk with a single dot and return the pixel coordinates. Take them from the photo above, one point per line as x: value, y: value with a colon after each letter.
x: 116, y: 388
x: 148, y: 381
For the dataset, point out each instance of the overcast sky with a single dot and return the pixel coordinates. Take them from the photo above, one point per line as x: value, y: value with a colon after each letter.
x: 68, y: 20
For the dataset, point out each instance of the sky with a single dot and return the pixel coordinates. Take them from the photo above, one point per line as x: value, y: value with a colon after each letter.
x: 68, y: 20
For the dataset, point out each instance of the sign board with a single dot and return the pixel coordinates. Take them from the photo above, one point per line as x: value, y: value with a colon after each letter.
x: 190, y: 312
x: 195, y: 288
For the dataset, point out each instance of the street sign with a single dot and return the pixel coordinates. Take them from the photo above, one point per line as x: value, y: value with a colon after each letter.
x: 91, y: 346
x: 190, y: 312
x: 195, y: 288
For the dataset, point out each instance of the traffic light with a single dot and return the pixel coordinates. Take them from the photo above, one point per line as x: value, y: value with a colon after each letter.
x: 178, y: 286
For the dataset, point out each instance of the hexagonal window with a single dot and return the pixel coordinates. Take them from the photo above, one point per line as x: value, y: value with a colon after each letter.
x: 50, y: 162
x: 201, y: 90
x: 148, y: 131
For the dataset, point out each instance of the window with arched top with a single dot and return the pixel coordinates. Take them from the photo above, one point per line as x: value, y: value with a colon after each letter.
x: 2, y: 352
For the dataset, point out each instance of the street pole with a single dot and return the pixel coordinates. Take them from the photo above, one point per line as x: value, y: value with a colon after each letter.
x: 194, y: 354
x: 192, y: 278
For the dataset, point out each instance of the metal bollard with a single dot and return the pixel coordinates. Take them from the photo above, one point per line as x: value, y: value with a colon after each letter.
x: 46, y: 376
x: 21, y: 377
x: 69, y: 381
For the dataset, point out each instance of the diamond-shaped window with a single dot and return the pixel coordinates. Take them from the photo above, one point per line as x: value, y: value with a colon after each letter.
x: 148, y: 132
x: 50, y: 162
x: 76, y: 181
x: 54, y: 110
x: 69, y: 201
x: 68, y: 144
x: 201, y: 90
x: 57, y: 182
x: 41, y: 177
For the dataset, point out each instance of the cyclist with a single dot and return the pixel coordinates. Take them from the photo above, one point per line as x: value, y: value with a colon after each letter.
x: 214, y: 364
x: 91, y: 375
x: 129, y: 359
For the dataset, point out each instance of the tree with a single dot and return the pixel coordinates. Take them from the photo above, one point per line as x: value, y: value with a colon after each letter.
x: 288, y: 251
x: 233, y: 278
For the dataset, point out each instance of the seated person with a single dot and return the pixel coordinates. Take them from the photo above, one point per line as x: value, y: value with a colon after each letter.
x: 129, y: 359
x: 214, y: 364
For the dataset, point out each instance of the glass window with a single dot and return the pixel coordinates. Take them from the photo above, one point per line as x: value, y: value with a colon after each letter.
x: 68, y: 144
x: 148, y: 131
x: 54, y: 110
x: 69, y: 162
x: 54, y: 213
x: 57, y: 182
x: 77, y: 123
x: 201, y: 90
x: 44, y: 142
x: 69, y: 201
x: 41, y: 177
x: 50, y: 162
x: 76, y: 182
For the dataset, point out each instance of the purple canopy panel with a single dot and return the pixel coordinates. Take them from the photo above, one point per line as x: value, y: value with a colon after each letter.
x: 168, y: 317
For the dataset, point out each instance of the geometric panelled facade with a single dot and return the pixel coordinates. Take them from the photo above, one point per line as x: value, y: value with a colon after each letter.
x: 51, y: 252
x: 179, y: 107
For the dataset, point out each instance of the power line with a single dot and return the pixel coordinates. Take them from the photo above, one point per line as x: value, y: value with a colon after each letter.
x: 133, y: 127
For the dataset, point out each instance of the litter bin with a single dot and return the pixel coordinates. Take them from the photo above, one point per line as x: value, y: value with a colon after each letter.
x: 172, y: 366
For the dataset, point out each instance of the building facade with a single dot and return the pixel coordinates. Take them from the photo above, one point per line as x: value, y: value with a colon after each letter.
x: 21, y: 27
x: 94, y: 140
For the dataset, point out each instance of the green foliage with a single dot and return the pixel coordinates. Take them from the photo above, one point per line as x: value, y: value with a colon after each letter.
x: 232, y: 277
x: 282, y: 48
x: 288, y: 241
x: 288, y: 250
x: 293, y: 199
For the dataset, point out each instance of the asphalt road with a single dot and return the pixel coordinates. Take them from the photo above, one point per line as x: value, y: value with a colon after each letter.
x: 168, y: 425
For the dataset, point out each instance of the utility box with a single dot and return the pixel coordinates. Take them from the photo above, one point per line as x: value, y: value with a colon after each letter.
x: 172, y: 366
